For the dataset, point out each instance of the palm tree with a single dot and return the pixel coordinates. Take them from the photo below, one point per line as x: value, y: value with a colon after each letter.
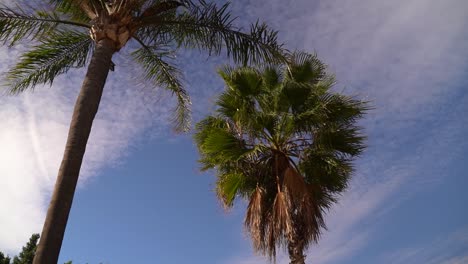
x: 283, y: 141
x: 71, y: 33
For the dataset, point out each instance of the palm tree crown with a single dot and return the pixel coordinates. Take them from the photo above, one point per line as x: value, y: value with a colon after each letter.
x: 283, y: 141
x: 67, y: 30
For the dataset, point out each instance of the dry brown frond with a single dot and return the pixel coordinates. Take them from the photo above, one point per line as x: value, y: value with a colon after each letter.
x: 295, y: 186
x: 311, y: 214
x: 307, y: 212
x: 311, y: 217
x: 254, y: 219
x: 87, y: 8
x: 279, y: 224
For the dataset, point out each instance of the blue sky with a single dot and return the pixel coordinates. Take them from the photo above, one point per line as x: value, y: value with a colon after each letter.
x: 142, y: 199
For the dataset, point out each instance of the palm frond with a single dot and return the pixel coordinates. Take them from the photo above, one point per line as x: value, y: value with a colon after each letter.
x: 55, y: 55
x: 310, y: 214
x: 224, y: 146
x: 238, y: 103
x: 245, y: 81
x: 271, y: 78
x: 294, y: 185
x: 325, y: 107
x: 204, y: 127
x: 238, y: 108
x: 161, y: 72
x: 153, y: 11
x: 17, y: 24
x: 347, y: 139
x: 81, y: 10
x: 344, y: 109
x: 209, y: 27
x: 305, y: 68
x: 280, y: 224
x: 254, y: 220
x: 227, y: 187
x: 330, y: 171
x: 203, y: 131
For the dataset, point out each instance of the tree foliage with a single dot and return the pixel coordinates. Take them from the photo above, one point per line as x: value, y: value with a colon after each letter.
x: 4, y: 259
x: 284, y: 141
x: 26, y: 255
x: 65, y: 30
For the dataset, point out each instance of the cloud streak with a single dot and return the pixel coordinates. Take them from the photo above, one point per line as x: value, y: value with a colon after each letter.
x: 404, y: 56
x: 449, y: 249
x: 34, y: 129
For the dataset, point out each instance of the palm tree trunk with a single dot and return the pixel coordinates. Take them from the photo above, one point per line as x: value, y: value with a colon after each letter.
x: 295, y: 250
x: 85, y: 110
x: 296, y: 244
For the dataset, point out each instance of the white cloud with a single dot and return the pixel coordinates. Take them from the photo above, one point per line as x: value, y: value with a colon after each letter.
x: 34, y: 126
x: 404, y: 56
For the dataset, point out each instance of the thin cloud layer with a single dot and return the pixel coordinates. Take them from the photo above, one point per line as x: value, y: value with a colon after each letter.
x: 407, y: 58
x: 403, y: 55
x: 34, y: 126
x: 448, y: 249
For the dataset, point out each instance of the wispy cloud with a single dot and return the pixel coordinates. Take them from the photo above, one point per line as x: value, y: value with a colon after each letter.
x: 33, y: 131
x: 456, y: 260
x: 449, y: 249
x: 404, y: 56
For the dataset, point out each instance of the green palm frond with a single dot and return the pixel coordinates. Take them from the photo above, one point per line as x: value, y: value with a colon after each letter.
x: 325, y: 169
x: 245, y: 81
x: 224, y: 145
x: 220, y: 144
x: 205, y: 126
x: 80, y: 10
x: 242, y: 98
x: 324, y: 107
x: 228, y: 186
x: 239, y: 109
x: 209, y: 27
x: 55, y: 55
x: 305, y: 68
x: 17, y: 24
x: 344, y: 109
x: 346, y: 139
x: 162, y: 73
x: 271, y: 78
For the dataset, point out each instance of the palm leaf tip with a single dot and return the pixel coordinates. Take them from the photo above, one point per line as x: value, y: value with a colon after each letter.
x: 59, y: 52
x: 158, y: 69
x: 181, y: 120
x: 228, y: 186
x: 17, y: 24
x: 209, y: 27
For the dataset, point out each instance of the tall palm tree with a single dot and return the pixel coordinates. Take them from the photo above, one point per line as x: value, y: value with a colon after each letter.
x: 71, y: 33
x: 285, y: 142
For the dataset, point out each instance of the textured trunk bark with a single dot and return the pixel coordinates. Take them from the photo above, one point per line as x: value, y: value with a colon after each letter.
x: 295, y: 250
x: 296, y: 244
x: 85, y: 110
